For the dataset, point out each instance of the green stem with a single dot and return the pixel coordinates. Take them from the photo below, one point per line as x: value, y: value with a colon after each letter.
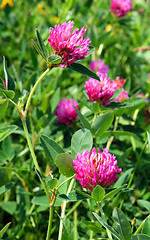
x: 112, y: 137
x: 30, y: 145
x: 75, y: 224
x: 95, y: 143
x: 34, y: 157
x: 104, y: 218
x: 65, y: 182
x: 50, y: 222
x: 63, y: 211
x: 73, y: 208
x: 33, y: 90
x: 13, y: 102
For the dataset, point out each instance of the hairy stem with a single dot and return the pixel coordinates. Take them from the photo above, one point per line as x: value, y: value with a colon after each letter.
x: 34, y: 157
x: 34, y: 88
x: 63, y: 211
x: 50, y: 222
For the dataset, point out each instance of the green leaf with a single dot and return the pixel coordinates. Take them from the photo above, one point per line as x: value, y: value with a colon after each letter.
x: 51, y: 148
x: 41, y: 44
x: 10, y: 83
x: 98, y: 193
x: 144, y: 203
x: 114, y: 192
x: 76, y: 196
x: 140, y: 237
x: 83, y: 70
x: 6, y: 187
x: 3, y: 109
x: 68, y: 233
x: 117, y: 134
x: 95, y: 107
x: 4, y: 229
x: 123, y: 178
x: 94, y: 226
x: 102, y: 123
x: 127, y: 85
x: 63, y: 188
x: 122, y: 225
x: 85, y: 194
x: 117, y: 92
x: 8, y: 93
x: 65, y: 164
x: 52, y: 183
x: 2, y: 86
x: 9, y: 206
x: 6, y: 131
x: 38, y: 49
x: 115, y: 234
x: 2, y: 101
x: 41, y: 199
x: 3, y: 157
x: 80, y: 141
x: 146, y: 227
x: 54, y: 59
x: 83, y: 120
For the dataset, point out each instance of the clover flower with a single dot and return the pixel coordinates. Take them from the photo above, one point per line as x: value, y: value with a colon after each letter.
x: 120, y: 7
x: 95, y: 168
x: 124, y: 94
x: 69, y: 46
x: 65, y: 111
x: 99, y: 65
x: 120, y: 82
x: 100, y: 91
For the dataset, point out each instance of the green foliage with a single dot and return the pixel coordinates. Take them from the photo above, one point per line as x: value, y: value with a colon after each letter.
x: 122, y: 229
x: 6, y: 187
x: 51, y: 148
x: 10, y: 84
x: 122, y: 127
x: 6, y: 131
x: 64, y: 162
x: 102, y: 123
x: 98, y: 193
x: 4, y: 229
x: 80, y: 141
x: 83, y: 70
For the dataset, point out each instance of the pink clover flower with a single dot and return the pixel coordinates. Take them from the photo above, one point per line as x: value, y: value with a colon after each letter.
x: 95, y: 168
x: 69, y: 46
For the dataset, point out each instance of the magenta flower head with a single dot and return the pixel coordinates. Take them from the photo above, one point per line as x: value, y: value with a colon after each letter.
x: 120, y: 82
x: 65, y: 111
x: 124, y: 94
x: 95, y: 168
x: 69, y: 46
x: 99, y: 65
x: 100, y: 91
x: 120, y: 7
